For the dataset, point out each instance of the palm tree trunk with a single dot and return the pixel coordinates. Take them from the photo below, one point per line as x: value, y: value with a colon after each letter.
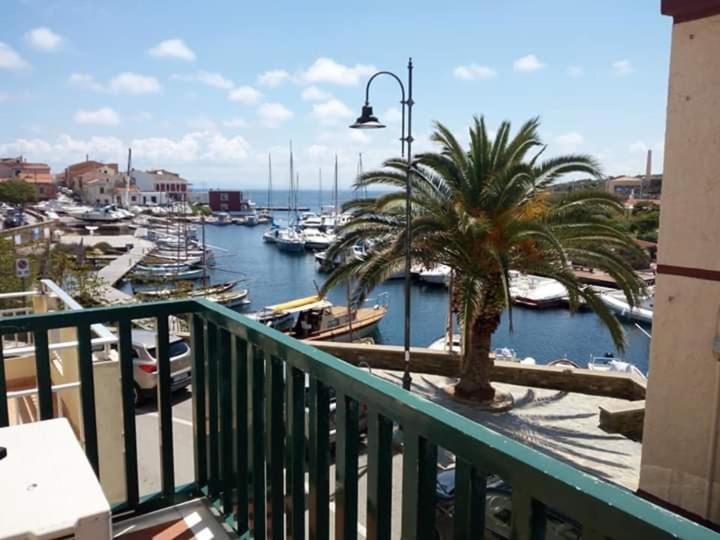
x: 477, y: 363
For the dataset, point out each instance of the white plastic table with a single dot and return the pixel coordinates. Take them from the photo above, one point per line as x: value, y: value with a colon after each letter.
x: 47, y: 486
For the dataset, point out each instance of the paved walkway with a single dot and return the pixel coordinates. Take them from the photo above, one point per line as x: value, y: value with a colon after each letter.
x: 560, y: 424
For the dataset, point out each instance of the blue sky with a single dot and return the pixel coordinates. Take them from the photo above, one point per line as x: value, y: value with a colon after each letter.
x: 209, y: 88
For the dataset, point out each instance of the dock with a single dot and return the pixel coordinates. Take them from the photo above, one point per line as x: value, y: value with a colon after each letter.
x: 602, y: 279
x: 137, y: 248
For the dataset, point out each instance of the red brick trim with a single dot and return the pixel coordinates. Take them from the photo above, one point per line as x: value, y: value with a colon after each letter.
x: 689, y: 10
x: 684, y: 271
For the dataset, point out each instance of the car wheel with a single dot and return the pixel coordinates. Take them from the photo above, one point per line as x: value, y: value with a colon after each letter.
x: 138, y: 395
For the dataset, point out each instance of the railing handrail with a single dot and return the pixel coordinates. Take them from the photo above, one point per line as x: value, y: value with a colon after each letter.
x: 540, y: 477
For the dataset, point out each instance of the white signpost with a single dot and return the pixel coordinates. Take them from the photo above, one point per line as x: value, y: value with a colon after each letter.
x: 22, y: 267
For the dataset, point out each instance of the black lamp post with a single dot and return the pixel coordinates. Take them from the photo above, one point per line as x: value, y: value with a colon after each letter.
x: 367, y: 120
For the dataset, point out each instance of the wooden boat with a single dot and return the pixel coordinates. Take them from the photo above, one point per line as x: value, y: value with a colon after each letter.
x: 194, y: 273
x: 231, y: 299
x: 320, y: 320
x: 192, y: 293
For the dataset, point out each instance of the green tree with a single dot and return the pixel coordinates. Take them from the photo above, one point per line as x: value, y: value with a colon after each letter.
x: 17, y: 192
x: 486, y: 211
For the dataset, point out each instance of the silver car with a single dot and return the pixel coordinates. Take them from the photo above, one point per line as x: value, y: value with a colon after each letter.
x: 145, y: 365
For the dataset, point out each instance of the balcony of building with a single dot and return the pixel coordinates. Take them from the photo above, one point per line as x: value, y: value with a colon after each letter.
x: 284, y: 441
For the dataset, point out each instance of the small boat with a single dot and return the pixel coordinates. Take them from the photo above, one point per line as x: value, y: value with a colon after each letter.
x: 193, y: 293
x: 193, y: 273
x: 506, y: 354
x: 618, y: 304
x: 106, y: 214
x: 437, y: 275
x: 441, y: 344
x: 537, y: 292
x: 223, y: 218
x: 314, y: 239
x: 231, y: 299
x: 290, y: 241
x: 310, y: 220
x: 250, y: 220
x: 270, y: 236
x: 609, y: 363
x: 162, y: 267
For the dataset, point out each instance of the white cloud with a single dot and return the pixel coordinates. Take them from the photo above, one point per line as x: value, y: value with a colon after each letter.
x: 575, y: 71
x: 43, y: 39
x: 104, y: 116
x: 327, y: 70
x: 216, y: 80
x: 392, y: 116
x: 246, y: 95
x: 638, y: 147
x: 360, y: 136
x: 273, y: 78
x: 568, y: 142
x: 528, y: 63
x: 133, y: 84
x: 274, y: 114
x: 235, y: 123
x: 84, y: 80
x: 622, y: 67
x: 331, y: 111
x: 172, y: 48
x: 9, y: 59
x: 472, y: 72
x: 313, y: 93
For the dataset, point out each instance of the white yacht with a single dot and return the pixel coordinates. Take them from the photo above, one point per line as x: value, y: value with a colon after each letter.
x: 310, y: 220
x: 314, y: 239
x: 104, y: 213
x: 502, y: 353
x: 617, y: 302
x: 437, y: 275
x: 609, y: 363
x: 536, y: 291
x: 290, y: 240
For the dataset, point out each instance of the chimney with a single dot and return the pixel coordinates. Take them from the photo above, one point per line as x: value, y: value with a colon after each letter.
x: 648, y: 166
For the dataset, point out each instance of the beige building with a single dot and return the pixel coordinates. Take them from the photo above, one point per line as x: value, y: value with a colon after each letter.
x: 681, y: 451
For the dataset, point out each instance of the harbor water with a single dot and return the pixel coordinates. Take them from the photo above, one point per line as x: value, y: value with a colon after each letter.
x: 274, y: 276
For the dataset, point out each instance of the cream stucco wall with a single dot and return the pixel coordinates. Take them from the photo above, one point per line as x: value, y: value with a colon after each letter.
x: 681, y: 456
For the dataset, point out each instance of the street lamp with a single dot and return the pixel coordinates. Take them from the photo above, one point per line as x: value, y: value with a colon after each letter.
x: 368, y: 120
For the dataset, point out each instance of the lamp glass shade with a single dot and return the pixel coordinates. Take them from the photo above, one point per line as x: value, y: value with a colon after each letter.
x: 367, y: 120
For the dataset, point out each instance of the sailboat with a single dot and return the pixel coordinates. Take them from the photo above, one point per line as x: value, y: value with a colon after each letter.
x: 290, y: 239
x: 265, y: 216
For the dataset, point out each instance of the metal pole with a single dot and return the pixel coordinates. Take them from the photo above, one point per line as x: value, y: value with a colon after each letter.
x: 407, y: 379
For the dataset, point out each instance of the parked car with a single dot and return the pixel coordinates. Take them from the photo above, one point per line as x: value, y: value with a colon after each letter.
x: 145, y: 365
x: 498, y: 511
x: 14, y: 217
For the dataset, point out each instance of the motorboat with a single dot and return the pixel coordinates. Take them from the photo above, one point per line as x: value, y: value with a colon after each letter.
x: 442, y: 344
x: 609, y: 363
x: 104, y: 213
x: 290, y: 241
x: 223, y: 218
x: 314, y: 239
x: 437, y: 275
x: 310, y: 220
x: 536, y: 291
x: 618, y: 304
x: 505, y: 354
x: 250, y: 220
x: 230, y: 299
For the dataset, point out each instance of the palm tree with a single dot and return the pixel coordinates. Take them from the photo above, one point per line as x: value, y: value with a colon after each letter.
x: 486, y: 211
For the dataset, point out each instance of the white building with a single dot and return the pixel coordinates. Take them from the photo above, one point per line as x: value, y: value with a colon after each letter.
x: 159, y: 186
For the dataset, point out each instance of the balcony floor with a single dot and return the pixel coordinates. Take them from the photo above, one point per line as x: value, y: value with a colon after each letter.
x: 188, y: 521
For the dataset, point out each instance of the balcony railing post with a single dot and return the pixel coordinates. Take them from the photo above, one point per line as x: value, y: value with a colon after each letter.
x: 470, y: 488
x: 257, y: 381
x: 296, y: 453
x: 198, y: 390
x: 128, y: 400
x: 87, y: 395
x: 241, y: 370
x: 346, y: 467
x: 211, y: 338
x: 276, y: 461
x: 164, y: 401
x: 42, y: 370
x: 528, y: 515
x: 4, y: 416
x: 379, y: 478
x: 227, y: 463
x: 319, y: 496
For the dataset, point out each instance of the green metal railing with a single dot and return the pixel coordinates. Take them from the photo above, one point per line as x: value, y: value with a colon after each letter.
x: 251, y: 457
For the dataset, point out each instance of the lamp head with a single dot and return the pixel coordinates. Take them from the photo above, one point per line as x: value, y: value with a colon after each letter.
x: 367, y: 120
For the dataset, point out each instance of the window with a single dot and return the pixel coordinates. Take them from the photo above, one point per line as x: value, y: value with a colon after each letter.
x: 223, y: 206
x: 224, y: 197
x: 133, y: 198
x: 102, y: 191
x: 153, y: 199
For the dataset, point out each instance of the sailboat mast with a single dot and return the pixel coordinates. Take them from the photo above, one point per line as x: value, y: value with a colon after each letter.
x: 320, y: 188
x: 269, y: 190
x: 292, y: 176
x: 335, y: 187
x: 127, y: 182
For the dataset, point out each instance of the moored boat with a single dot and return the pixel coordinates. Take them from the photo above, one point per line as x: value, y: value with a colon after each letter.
x: 609, y: 363
x: 537, y: 292
x: 618, y: 304
x: 290, y: 241
x: 190, y: 274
